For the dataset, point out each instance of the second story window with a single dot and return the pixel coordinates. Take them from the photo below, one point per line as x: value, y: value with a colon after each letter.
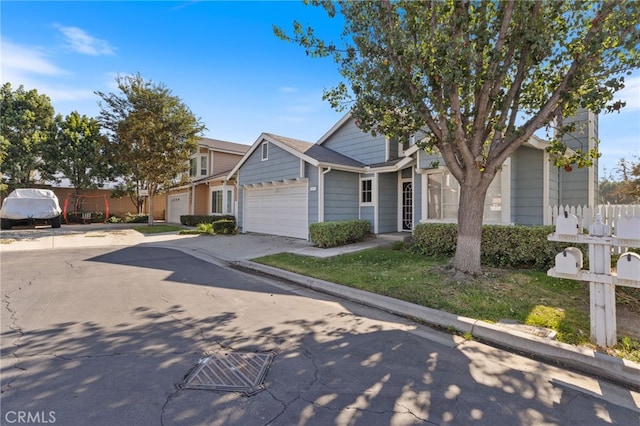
x: 198, y: 165
x: 265, y: 151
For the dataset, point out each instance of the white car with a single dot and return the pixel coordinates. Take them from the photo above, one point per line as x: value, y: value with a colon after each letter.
x: 30, y: 204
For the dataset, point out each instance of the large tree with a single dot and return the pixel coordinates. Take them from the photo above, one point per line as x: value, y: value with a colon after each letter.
x: 77, y: 153
x: 479, y: 76
x: 26, y: 125
x: 152, y: 133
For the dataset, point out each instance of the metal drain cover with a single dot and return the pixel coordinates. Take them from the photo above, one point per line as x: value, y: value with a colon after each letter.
x: 230, y: 371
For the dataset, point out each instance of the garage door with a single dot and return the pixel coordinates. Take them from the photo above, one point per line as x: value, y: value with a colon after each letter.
x: 277, y: 210
x: 177, y: 205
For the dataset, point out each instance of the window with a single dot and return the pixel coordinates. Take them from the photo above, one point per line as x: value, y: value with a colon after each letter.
x: 443, y: 196
x: 366, y: 191
x: 265, y: 150
x: 217, y: 202
x: 203, y: 165
x: 198, y: 166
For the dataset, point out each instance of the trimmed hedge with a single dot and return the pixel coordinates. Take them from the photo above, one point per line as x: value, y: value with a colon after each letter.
x: 194, y: 220
x: 225, y: 226
x: 337, y: 233
x: 516, y: 246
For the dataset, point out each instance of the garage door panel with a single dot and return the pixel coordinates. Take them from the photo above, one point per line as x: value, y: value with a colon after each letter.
x: 278, y: 210
x: 177, y: 205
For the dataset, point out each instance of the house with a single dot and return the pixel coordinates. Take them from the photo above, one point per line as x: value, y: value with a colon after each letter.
x: 208, y: 191
x: 286, y: 184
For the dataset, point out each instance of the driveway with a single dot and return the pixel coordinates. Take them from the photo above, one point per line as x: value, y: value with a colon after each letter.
x: 104, y: 336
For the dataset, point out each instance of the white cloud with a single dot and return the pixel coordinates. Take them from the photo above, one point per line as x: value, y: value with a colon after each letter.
x: 18, y: 62
x: 80, y: 41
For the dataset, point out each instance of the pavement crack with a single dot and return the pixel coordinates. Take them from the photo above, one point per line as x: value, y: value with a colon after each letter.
x: 166, y: 402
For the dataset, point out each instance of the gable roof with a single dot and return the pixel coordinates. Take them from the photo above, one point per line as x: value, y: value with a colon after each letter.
x: 223, y: 146
x: 334, y: 129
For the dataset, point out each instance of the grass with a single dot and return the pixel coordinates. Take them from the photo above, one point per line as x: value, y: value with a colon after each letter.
x: 157, y: 229
x: 528, y: 297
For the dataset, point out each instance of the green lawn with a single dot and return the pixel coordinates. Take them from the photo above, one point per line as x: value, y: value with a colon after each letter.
x: 525, y: 296
x: 157, y: 229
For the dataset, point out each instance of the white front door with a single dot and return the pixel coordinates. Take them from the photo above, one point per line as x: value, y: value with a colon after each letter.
x: 177, y: 205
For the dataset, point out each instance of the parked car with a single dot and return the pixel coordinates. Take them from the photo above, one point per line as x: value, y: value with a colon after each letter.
x: 30, y: 205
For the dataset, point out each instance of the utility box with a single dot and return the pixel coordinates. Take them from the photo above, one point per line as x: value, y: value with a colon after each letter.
x: 628, y: 227
x: 629, y: 266
x: 569, y: 261
x: 568, y: 224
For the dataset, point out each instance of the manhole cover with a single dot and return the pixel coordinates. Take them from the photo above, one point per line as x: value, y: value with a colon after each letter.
x: 230, y: 371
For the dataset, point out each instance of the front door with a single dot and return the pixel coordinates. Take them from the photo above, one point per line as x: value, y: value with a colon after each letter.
x: 407, y: 206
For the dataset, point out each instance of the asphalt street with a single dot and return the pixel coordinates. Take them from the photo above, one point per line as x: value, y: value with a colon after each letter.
x: 106, y: 336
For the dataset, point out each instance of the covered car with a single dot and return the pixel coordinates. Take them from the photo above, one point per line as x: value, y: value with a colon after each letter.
x: 30, y: 204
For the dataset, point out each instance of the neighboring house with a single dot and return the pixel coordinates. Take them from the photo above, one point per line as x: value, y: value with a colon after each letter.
x: 208, y: 191
x: 286, y: 184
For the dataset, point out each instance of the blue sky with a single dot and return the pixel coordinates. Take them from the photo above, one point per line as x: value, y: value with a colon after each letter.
x: 220, y: 58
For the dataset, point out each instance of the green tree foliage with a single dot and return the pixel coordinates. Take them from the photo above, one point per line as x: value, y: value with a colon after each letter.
x: 151, y: 133
x: 479, y: 76
x: 626, y: 190
x: 76, y: 153
x: 26, y: 125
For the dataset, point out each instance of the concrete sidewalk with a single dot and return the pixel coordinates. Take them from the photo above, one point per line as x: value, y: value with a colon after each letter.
x: 236, y: 251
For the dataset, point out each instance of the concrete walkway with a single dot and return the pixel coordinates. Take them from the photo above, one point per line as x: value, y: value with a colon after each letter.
x: 237, y: 251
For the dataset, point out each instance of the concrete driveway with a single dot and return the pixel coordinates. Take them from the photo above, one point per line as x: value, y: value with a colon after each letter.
x: 104, y: 336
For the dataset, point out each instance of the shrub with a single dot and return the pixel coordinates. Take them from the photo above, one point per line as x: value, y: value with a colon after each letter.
x: 194, y: 220
x: 502, y: 245
x: 114, y: 219
x: 337, y: 233
x: 205, y: 228
x: 225, y: 226
x: 136, y: 218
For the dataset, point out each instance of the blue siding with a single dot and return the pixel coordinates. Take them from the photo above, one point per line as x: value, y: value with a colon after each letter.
x: 387, y: 202
x: 368, y: 213
x: 527, y: 186
x: 417, y: 198
x: 575, y: 186
x: 425, y: 160
x: 311, y: 172
x: 279, y: 165
x: 341, y: 195
x: 353, y: 142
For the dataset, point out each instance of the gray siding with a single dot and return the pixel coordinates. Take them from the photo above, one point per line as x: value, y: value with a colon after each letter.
x: 368, y: 213
x: 279, y: 165
x: 526, y: 186
x: 311, y: 172
x: 353, y: 142
x: 417, y: 198
x: 387, y: 202
x: 341, y: 196
x: 577, y: 186
x: 425, y: 160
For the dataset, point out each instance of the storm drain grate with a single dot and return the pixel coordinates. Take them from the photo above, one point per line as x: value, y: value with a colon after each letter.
x: 230, y: 371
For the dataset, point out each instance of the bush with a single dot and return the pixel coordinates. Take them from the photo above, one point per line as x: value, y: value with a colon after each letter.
x: 332, y: 234
x: 194, y: 220
x: 136, y: 218
x: 205, y: 228
x: 225, y: 226
x: 515, y: 246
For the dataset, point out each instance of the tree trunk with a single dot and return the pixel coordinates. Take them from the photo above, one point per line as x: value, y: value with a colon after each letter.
x: 150, y: 199
x: 470, y: 213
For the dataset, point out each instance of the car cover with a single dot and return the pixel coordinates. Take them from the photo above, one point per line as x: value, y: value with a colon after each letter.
x: 30, y: 203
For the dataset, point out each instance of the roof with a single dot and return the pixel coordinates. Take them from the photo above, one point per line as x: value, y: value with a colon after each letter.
x: 223, y: 145
x: 326, y: 155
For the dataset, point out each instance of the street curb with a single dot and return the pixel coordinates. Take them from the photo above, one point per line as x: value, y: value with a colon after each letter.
x: 619, y: 370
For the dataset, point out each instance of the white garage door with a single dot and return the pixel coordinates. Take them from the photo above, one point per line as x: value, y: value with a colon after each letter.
x: 277, y: 210
x: 177, y: 205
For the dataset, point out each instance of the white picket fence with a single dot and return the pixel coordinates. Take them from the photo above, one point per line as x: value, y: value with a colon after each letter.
x: 609, y: 212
